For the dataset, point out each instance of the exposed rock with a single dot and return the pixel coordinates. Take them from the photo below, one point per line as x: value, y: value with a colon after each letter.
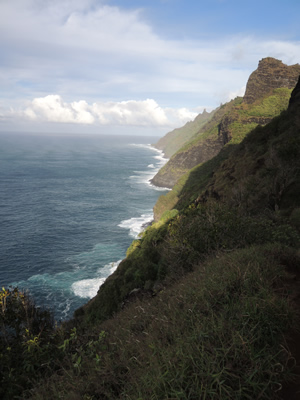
x: 174, y: 140
x: 225, y: 130
x: 234, y: 119
x: 270, y: 74
x: 194, y: 154
x: 184, y: 161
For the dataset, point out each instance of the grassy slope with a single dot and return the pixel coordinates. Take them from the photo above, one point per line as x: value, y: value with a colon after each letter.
x: 218, y: 329
x: 175, y: 139
x: 213, y: 314
x: 239, y: 119
x: 216, y: 334
x: 177, y: 165
x: 150, y: 261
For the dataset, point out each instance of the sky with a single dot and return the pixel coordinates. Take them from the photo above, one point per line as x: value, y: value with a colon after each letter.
x: 133, y: 66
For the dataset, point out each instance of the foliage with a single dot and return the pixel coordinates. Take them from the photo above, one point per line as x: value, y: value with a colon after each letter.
x: 175, y: 139
x: 206, y: 229
x: 216, y: 334
x: 230, y: 123
x: 272, y: 105
x: 26, y: 342
x: 190, y: 185
x: 202, y: 306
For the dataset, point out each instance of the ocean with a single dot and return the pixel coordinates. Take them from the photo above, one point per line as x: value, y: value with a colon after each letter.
x: 69, y: 208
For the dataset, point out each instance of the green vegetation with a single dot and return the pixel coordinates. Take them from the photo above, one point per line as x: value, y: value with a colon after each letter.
x: 216, y: 334
x: 211, y: 129
x: 27, y: 342
x: 206, y: 303
x: 190, y: 185
x: 271, y: 105
x: 175, y: 139
x: 229, y: 125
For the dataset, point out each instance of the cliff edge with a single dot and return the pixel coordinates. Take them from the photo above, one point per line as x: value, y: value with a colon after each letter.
x: 270, y: 74
x: 267, y: 95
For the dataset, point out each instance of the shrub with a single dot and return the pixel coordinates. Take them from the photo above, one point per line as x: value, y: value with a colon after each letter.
x: 26, y: 342
x: 213, y: 227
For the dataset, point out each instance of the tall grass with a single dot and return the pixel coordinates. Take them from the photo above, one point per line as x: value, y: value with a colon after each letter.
x: 219, y: 333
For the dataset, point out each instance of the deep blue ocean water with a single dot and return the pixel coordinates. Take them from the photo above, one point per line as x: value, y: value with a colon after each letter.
x: 69, y: 208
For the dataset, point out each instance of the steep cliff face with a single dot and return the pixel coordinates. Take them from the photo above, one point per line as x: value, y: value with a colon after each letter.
x: 260, y: 173
x: 215, y: 283
x: 270, y: 74
x: 186, y: 160
x: 204, y: 145
x: 264, y: 171
x: 175, y: 139
x: 267, y: 95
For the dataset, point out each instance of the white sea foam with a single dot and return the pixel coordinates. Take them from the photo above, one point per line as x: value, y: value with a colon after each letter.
x: 65, y: 306
x: 88, y: 288
x: 136, y: 224
x: 145, y: 146
x: 145, y: 177
x: 84, y: 288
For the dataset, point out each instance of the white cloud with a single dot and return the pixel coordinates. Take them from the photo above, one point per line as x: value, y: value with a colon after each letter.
x: 132, y: 112
x: 52, y: 108
x: 87, y: 49
x: 240, y: 92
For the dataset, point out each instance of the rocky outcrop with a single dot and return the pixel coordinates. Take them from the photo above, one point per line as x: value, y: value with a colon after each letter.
x: 195, y: 152
x: 267, y: 94
x: 274, y: 169
x: 225, y: 130
x: 184, y: 161
x: 174, y: 140
x: 271, y: 74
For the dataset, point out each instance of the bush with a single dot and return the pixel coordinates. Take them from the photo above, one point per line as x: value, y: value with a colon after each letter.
x: 213, y: 227
x: 26, y: 342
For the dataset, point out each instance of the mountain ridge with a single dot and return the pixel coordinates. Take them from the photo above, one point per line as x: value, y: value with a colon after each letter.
x: 206, y: 303
x: 257, y: 107
x: 174, y: 140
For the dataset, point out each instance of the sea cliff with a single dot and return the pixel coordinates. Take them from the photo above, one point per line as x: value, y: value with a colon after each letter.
x: 267, y: 95
x: 205, y: 304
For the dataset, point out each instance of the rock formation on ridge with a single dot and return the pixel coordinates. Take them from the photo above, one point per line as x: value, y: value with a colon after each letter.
x: 267, y: 94
x: 271, y: 74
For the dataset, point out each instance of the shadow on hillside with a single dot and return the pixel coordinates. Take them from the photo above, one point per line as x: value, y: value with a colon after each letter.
x: 200, y: 176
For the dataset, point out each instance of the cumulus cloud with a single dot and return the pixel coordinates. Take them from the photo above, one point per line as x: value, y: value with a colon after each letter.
x: 240, y: 92
x: 52, y: 108
x: 89, y: 49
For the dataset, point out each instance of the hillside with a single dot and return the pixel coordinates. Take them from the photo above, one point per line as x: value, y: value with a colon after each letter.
x: 235, y: 119
x: 175, y: 139
x: 205, y: 305
x: 205, y: 144
x: 261, y: 173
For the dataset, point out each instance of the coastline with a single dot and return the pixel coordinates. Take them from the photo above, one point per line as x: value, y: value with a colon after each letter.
x: 135, y: 225
x: 72, y: 195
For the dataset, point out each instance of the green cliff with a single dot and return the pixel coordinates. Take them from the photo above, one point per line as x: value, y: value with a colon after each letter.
x: 205, y: 305
x: 235, y: 119
x: 175, y: 139
x: 260, y: 173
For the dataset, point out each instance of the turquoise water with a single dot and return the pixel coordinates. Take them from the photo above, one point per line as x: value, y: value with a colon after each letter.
x: 69, y: 208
